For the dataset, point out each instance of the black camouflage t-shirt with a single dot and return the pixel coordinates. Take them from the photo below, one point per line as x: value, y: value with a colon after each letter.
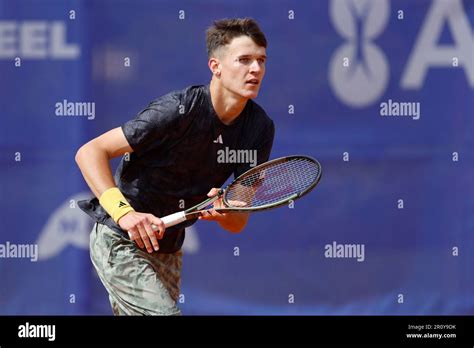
x: 181, y: 151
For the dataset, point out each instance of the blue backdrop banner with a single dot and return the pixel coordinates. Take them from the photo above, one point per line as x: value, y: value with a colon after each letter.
x: 379, y: 91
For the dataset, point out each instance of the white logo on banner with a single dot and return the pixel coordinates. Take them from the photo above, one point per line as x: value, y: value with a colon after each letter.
x: 66, y: 226
x: 71, y: 226
x: 363, y: 80
x: 427, y: 53
x: 34, y: 39
x: 364, y: 77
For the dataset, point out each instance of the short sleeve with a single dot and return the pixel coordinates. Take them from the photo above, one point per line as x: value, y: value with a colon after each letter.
x: 154, y: 124
x: 263, y: 147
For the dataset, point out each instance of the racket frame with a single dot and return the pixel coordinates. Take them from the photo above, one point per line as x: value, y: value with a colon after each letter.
x: 196, y: 210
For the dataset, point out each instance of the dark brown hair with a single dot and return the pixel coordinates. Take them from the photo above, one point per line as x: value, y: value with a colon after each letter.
x: 223, y: 31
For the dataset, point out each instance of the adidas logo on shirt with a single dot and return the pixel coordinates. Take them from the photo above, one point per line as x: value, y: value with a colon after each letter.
x: 218, y: 140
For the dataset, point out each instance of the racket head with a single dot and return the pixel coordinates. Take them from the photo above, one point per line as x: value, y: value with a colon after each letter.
x: 273, y: 183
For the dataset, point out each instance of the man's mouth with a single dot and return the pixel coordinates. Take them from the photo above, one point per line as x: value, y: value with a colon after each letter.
x: 253, y: 82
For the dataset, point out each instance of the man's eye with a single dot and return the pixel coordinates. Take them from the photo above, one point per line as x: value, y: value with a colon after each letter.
x: 244, y: 60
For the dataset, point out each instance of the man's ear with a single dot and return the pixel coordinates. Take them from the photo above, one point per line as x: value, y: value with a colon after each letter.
x: 214, y: 66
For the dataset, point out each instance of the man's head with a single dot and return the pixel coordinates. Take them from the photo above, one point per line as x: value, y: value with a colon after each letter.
x: 237, y: 55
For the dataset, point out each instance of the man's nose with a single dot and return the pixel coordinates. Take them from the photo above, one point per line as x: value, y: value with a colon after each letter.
x: 255, y: 67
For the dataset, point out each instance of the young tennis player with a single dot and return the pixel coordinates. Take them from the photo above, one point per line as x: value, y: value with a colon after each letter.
x: 173, y: 151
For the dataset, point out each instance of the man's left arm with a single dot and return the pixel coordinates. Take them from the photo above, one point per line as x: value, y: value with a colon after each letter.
x: 232, y: 222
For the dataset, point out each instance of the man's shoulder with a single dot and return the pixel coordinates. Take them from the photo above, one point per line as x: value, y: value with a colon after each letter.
x: 259, y: 113
x: 187, y: 94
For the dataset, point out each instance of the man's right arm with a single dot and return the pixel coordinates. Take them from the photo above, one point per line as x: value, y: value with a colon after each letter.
x: 93, y: 160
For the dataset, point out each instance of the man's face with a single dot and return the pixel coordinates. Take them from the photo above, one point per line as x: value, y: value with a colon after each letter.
x: 242, y: 67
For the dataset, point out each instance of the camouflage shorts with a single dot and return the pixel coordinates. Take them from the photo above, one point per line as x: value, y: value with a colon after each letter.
x: 138, y: 283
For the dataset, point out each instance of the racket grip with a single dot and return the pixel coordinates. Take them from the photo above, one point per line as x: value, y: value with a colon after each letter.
x: 174, y: 219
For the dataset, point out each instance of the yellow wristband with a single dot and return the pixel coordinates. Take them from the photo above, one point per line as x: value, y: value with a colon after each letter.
x: 114, y: 203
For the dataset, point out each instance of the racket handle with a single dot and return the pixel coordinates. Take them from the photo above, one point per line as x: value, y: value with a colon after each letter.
x: 174, y: 219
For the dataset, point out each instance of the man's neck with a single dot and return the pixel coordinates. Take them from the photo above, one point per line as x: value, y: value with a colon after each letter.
x: 227, y: 105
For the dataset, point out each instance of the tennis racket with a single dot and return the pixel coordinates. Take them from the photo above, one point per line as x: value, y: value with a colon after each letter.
x: 266, y: 186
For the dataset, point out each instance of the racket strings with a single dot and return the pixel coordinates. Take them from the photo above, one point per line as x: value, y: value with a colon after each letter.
x: 273, y: 183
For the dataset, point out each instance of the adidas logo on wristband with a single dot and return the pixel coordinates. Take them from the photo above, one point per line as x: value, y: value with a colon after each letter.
x: 114, y: 203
